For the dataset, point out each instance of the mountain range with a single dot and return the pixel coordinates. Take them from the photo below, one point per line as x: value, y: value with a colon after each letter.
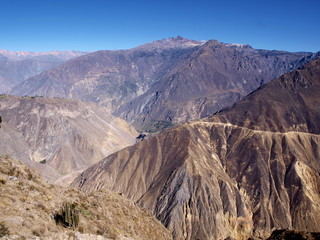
x: 164, y: 82
x: 108, y: 77
x: 228, y: 145
x: 214, y: 76
x: 241, y: 173
x: 15, y: 67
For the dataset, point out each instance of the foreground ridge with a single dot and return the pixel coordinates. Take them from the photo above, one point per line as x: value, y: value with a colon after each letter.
x: 29, y: 208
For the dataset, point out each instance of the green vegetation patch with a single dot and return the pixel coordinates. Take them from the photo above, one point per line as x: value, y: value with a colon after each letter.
x: 156, y: 126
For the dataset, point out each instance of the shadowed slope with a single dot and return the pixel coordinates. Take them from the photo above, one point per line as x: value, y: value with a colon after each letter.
x: 213, y: 76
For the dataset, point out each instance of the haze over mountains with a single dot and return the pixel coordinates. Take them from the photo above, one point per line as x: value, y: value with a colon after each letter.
x: 167, y: 81
x: 241, y: 173
x: 16, y: 67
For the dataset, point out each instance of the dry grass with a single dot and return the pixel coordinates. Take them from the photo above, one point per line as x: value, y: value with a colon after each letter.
x: 39, y: 231
x: 28, y: 205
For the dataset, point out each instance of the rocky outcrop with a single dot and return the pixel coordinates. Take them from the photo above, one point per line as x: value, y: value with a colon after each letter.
x: 244, y: 172
x: 66, y: 136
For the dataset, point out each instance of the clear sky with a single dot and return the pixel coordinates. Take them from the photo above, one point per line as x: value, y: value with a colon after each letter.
x: 89, y: 25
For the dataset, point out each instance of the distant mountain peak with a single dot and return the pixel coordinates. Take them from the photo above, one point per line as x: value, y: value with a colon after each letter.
x: 178, y: 38
x: 171, y: 42
x: 23, y: 55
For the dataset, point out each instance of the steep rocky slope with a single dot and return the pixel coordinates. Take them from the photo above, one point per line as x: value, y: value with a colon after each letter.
x: 68, y: 135
x: 109, y: 77
x: 241, y: 173
x: 15, y: 67
x: 214, y: 76
x: 28, y: 207
x: 167, y: 81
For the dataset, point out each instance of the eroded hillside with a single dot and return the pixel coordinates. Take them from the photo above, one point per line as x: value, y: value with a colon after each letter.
x: 66, y: 136
x: 241, y: 173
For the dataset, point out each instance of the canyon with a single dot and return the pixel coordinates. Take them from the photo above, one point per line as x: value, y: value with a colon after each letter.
x: 214, y: 140
x: 60, y: 137
x: 242, y: 172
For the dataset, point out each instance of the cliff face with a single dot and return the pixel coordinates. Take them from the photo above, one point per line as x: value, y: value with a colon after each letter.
x: 69, y: 135
x: 240, y: 173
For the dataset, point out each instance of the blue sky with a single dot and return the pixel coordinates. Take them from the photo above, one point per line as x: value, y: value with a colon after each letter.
x: 34, y: 25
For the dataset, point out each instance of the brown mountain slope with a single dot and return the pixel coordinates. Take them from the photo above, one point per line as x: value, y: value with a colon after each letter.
x: 288, y: 104
x: 28, y: 206
x: 69, y: 135
x: 109, y: 77
x: 241, y: 173
x: 167, y: 81
x: 214, y: 76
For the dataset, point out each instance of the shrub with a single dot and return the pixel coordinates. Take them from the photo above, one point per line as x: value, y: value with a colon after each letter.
x: 11, y: 172
x: 68, y: 215
x: 29, y: 174
x: 4, y: 231
x: 3, y: 181
x: 32, y: 188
